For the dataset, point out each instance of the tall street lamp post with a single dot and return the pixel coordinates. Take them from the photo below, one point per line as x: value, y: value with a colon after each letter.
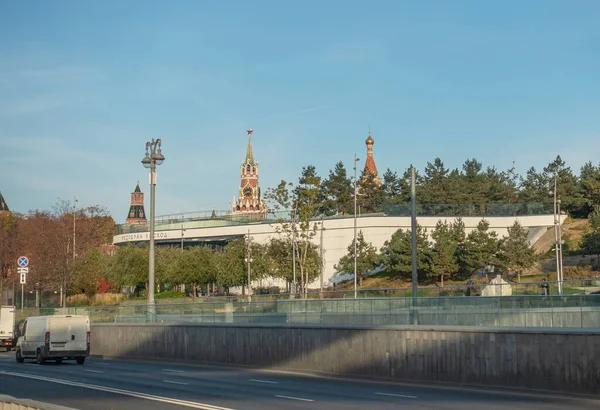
x: 355, y: 247
x: 74, y: 217
x: 153, y: 158
x: 558, y: 238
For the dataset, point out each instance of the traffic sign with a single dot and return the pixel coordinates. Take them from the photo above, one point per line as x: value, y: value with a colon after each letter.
x: 23, y: 261
x: 23, y: 278
x: 22, y: 270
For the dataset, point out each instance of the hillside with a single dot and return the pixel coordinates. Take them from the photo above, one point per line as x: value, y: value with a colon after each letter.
x: 572, y: 231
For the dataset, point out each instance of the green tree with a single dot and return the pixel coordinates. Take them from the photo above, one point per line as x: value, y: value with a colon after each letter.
x: 480, y: 249
x: 306, y: 202
x: 590, y: 186
x: 129, y: 266
x: 534, y: 187
x: 500, y: 186
x: 370, y: 194
x: 196, y: 266
x: 367, y: 258
x: 397, y: 254
x: 590, y: 243
x: 474, y: 182
x: 392, y: 188
x: 167, y: 264
x: 338, y: 191
x: 88, y: 271
x: 261, y: 262
x: 279, y: 251
x: 594, y: 219
x: 516, y: 254
x: 230, y: 266
x: 567, y: 186
x: 445, y: 247
x: 434, y: 183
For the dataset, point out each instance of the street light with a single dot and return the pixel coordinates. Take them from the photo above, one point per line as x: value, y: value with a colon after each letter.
x: 293, y: 290
x: 182, y: 234
x: 153, y: 158
x: 558, y: 238
x: 74, y: 217
x: 355, y: 247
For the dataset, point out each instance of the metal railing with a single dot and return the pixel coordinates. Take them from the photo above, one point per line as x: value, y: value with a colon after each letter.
x: 580, y: 286
x: 226, y: 217
x: 581, y: 311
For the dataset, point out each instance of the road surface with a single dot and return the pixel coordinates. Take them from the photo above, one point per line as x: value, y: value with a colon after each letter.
x: 132, y: 385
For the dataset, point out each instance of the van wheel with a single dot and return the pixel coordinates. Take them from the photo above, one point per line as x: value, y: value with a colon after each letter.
x: 19, y: 357
x: 80, y: 360
x: 38, y: 358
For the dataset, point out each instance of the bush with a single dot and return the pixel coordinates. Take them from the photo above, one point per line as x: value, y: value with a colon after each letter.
x: 78, y: 300
x: 577, y: 272
x: 105, y: 299
x: 170, y: 295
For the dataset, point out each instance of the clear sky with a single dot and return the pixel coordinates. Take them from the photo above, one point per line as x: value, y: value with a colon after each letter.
x: 84, y: 84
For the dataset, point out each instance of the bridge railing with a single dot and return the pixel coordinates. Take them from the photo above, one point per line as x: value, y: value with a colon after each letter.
x: 226, y: 217
x: 578, y: 311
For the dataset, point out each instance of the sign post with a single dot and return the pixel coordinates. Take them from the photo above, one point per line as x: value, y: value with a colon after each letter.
x: 23, y: 270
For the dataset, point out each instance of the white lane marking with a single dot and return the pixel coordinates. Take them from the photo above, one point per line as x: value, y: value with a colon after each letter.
x: 138, y: 395
x: 173, y: 371
x: 93, y: 371
x: 262, y: 381
x: 292, y: 398
x: 99, y: 363
x: 174, y: 382
x: 397, y: 395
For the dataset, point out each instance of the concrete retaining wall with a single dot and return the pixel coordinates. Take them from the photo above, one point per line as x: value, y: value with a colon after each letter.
x: 552, y: 359
x: 12, y: 403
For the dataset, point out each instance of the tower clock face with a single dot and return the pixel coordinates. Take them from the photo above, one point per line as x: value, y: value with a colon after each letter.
x: 247, y: 192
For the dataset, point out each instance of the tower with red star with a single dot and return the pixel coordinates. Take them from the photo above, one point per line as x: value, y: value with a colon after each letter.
x: 249, y: 202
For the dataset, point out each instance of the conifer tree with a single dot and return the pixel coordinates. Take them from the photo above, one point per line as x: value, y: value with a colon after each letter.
x: 366, y: 258
x: 515, y: 252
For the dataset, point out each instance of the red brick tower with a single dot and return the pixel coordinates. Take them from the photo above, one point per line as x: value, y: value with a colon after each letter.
x: 249, y: 203
x: 370, y: 167
x: 136, y: 209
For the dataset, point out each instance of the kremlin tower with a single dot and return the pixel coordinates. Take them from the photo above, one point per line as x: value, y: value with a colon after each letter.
x: 370, y: 167
x: 136, y: 209
x: 249, y: 203
x: 3, y: 207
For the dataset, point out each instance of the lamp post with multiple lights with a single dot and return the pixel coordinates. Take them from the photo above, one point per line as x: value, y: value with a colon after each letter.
x: 153, y: 158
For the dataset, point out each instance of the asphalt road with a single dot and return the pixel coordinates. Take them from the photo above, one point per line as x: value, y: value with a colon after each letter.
x: 116, y: 384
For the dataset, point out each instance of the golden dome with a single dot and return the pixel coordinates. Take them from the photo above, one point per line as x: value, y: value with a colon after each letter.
x: 369, y: 140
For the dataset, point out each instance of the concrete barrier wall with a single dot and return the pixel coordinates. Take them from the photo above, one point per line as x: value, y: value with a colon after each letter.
x: 552, y: 359
x: 12, y: 403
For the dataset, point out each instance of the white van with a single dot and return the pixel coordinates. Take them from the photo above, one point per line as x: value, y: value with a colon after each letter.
x: 60, y: 337
x: 7, y: 326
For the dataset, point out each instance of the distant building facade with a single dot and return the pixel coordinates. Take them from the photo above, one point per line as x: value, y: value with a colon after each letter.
x: 249, y: 202
x: 137, y: 214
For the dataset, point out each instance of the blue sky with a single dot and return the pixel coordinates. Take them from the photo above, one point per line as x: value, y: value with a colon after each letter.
x: 83, y: 86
